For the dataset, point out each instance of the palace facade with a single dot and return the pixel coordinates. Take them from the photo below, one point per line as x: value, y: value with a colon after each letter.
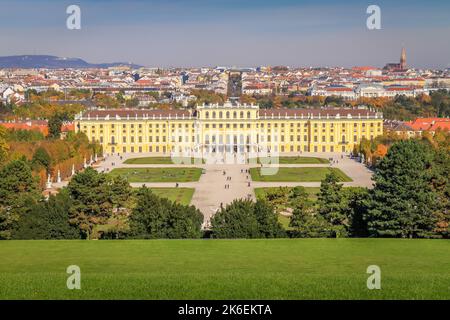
x: 229, y: 128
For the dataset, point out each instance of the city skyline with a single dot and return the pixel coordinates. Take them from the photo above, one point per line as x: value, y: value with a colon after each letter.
x: 200, y: 33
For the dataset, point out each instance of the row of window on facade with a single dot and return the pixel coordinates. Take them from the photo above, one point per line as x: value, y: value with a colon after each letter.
x: 259, y: 138
x: 140, y: 126
x: 163, y: 149
x: 139, y: 149
x: 315, y: 125
x: 260, y: 131
x: 227, y: 115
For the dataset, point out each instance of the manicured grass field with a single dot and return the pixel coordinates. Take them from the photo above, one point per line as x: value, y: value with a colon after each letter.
x: 158, y: 174
x: 260, y: 193
x: 296, y: 160
x: 179, y: 195
x: 298, y: 174
x: 163, y: 160
x: 226, y: 269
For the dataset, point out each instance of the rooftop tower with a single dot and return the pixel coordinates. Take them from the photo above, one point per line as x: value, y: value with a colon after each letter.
x: 403, y: 59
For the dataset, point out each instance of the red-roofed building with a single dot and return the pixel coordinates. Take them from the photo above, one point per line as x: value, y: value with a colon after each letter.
x: 364, y: 68
x: 37, y: 125
x: 429, y: 124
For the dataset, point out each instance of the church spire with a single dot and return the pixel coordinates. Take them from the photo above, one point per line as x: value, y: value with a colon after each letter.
x: 403, y: 59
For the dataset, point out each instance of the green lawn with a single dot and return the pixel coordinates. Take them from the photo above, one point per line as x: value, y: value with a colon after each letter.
x: 260, y: 193
x: 296, y: 160
x: 158, y: 174
x: 298, y: 174
x: 226, y: 269
x: 179, y: 195
x: 163, y: 160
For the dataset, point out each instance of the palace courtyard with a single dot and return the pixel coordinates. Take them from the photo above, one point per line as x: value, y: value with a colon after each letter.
x: 207, y: 181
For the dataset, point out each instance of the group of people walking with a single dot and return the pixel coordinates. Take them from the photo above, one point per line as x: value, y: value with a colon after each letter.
x: 228, y: 178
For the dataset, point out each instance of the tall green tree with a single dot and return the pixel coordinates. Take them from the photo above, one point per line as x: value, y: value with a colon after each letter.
x: 54, y: 126
x: 236, y: 220
x: 121, y: 192
x: 441, y: 186
x: 357, y: 216
x: 148, y: 218
x: 183, y: 222
x: 158, y: 218
x: 17, y: 188
x: 47, y: 220
x: 269, y: 226
x: 41, y: 158
x: 402, y: 202
x: 246, y: 219
x: 333, y: 206
x: 96, y: 197
x: 306, y: 222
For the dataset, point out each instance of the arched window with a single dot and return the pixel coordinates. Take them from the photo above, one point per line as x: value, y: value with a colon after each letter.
x: 214, y: 114
x: 228, y: 114
x: 220, y: 115
x: 248, y: 115
x: 207, y: 115
x: 241, y: 115
x: 234, y: 115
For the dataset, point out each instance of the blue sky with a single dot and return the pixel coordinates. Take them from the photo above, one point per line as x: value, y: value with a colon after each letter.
x: 230, y: 32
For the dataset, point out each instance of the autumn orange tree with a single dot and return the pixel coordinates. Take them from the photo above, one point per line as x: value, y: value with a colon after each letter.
x: 64, y: 154
x: 208, y: 97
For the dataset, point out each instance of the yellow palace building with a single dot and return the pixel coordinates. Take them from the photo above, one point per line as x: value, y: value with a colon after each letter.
x: 229, y: 128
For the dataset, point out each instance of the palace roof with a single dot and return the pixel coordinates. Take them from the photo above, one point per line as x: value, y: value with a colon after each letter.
x: 134, y: 113
x: 324, y: 113
x: 319, y: 113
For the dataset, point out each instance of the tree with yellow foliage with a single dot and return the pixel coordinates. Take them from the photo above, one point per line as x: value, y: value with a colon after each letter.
x: 4, y: 147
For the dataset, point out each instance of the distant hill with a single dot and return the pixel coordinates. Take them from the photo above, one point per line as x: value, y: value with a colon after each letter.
x: 52, y: 62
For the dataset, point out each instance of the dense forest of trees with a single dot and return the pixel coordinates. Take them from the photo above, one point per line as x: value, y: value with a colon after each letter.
x: 47, y: 154
x: 246, y: 219
x: 93, y: 205
x: 374, y: 150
